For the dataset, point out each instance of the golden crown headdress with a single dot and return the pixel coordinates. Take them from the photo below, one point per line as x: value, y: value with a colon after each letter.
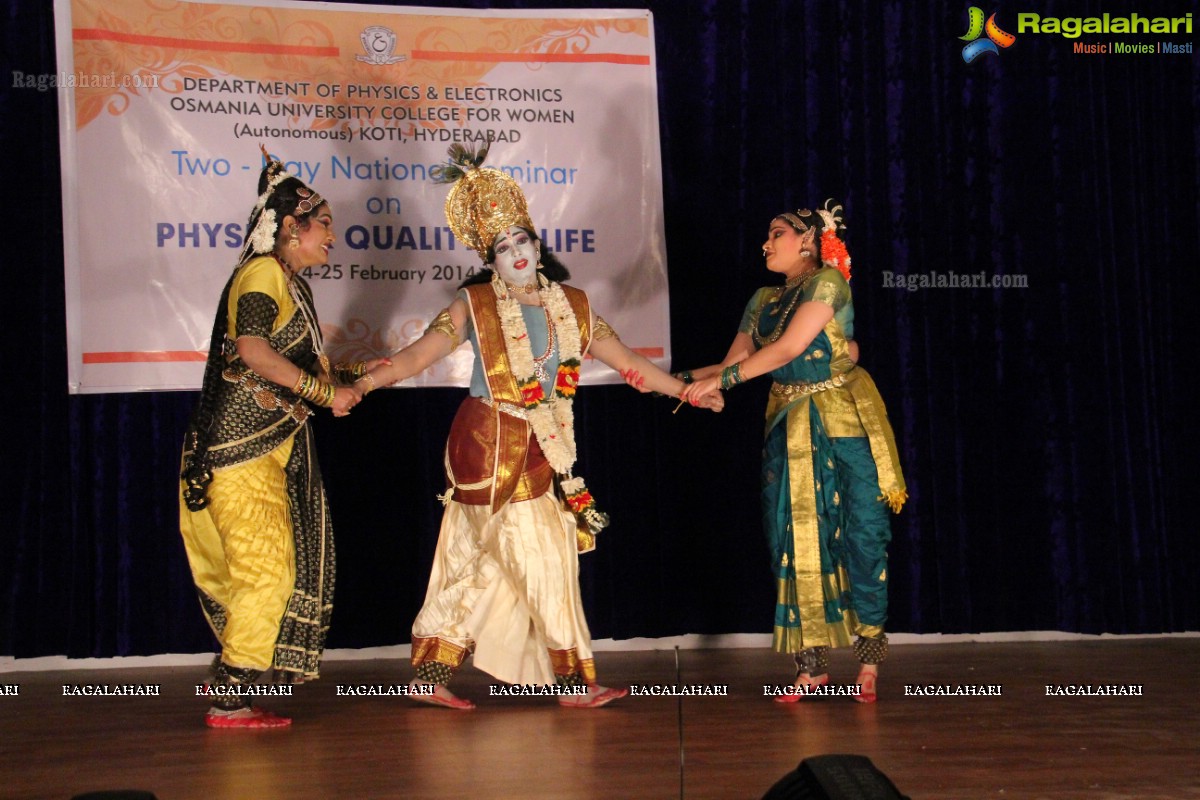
x: 483, y: 201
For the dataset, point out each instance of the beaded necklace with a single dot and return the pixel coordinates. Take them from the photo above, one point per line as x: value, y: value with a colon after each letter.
x: 310, y: 317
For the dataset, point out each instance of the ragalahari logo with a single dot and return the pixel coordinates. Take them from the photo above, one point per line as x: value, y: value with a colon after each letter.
x: 976, y: 27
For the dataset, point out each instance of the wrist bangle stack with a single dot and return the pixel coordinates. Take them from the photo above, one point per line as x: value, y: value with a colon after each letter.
x: 314, y: 390
x: 732, y: 376
x: 349, y: 372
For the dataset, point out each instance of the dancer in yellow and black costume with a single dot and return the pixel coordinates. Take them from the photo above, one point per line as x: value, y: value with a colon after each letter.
x: 253, y: 512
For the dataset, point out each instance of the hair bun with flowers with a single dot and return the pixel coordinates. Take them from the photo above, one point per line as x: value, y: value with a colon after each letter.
x: 268, y: 212
x: 833, y: 249
x: 827, y: 221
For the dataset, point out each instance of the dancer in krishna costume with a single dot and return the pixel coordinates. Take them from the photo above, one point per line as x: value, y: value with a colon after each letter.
x: 505, y: 578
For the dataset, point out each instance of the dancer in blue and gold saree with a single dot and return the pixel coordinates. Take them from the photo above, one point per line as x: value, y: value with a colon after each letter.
x: 831, y: 474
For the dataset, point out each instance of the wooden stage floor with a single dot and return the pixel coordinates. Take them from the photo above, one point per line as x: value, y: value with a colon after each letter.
x: 1020, y: 745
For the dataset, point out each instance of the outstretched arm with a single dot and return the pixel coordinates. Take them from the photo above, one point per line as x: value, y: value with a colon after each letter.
x: 741, y: 349
x: 612, y: 352
x: 439, y: 341
x: 742, y: 346
x: 810, y: 319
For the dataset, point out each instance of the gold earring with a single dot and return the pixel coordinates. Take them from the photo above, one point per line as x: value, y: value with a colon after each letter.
x: 805, y: 253
x: 294, y: 242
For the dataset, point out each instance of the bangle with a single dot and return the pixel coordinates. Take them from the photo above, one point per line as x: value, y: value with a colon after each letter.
x: 732, y: 376
x: 686, y: 376
x: 310, y: 388
x: 367, y: 379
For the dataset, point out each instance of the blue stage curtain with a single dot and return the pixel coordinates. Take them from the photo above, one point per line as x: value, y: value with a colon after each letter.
x: 1047, y: 432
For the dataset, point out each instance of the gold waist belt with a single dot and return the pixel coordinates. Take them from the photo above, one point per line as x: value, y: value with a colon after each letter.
x: 265, y: 396
x: 790, y: 390
x: 507, y: 408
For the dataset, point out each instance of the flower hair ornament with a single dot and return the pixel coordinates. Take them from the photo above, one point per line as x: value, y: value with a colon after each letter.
x: 263, y: 225
x: 833, y: 248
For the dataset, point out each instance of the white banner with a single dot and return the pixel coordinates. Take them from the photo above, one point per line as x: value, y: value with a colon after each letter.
x: 163, y: 107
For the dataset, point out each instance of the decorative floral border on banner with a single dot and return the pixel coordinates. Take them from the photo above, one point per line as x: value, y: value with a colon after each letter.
x: 230, y: 40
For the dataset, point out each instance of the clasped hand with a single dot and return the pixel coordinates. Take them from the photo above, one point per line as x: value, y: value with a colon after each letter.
x: 347, y: 397
x: 714, y: 401
x: 700, y: 391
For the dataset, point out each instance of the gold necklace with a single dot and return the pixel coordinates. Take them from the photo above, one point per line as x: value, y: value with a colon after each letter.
x: 539, y: 362
x: 798, y: 282
x: 528, y: 288
x: 792, y: 283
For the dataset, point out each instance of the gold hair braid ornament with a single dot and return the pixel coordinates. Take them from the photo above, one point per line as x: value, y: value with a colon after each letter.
x: 483, y: 201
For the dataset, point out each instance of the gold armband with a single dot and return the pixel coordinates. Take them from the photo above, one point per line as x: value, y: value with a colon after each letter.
x: 443, y: 324
x: 603, y: 330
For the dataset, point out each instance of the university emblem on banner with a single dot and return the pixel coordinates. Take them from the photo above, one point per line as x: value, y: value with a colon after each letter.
x: 379, y: 42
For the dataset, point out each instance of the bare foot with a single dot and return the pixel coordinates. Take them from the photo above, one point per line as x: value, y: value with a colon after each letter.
x: 866, y: 683
x: 441, y: 696
x: 803, y: 685
x: 245, y: 718
x: 596, y: 696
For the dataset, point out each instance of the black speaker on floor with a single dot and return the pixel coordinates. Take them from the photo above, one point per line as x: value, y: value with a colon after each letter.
x: 834, y: 777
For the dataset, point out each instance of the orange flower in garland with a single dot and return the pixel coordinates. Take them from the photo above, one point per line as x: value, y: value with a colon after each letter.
x: 568, y: 378
x: 583, y: 505
x: 531, y: 392
x: 834, y: 253
x: 581, y: 501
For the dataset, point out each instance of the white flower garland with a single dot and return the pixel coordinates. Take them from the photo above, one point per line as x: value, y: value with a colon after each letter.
x: 262, y: 238
x: 551, y: 417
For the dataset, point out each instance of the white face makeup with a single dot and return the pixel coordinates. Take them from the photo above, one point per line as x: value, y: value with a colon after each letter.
x: 516, y: 256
